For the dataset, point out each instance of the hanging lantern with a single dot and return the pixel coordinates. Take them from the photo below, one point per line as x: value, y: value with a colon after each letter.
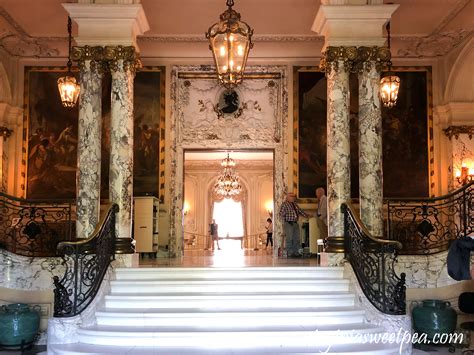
x: 67, y: 85
x: 230, y: 41
x: 390, y: 83
x: 389, y: 86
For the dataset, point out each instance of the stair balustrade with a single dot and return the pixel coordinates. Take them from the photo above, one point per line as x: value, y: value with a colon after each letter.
x: 86, y: 262
x: 373, y: 261
x: 33, y: 228
x: 427, y: 225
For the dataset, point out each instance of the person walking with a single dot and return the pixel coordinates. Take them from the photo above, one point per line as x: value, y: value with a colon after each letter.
x: 289, y: 212
x: 269, y: 228
x: 214, y: 234
x: 322, y: 212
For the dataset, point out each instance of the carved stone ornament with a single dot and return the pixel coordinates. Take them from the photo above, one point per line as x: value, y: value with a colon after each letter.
x: 457, y: 130
x: 434, y: 45
x: 93, y: 54
x: 16, y: 42
x: 5, y: 132
x: 128, y: 55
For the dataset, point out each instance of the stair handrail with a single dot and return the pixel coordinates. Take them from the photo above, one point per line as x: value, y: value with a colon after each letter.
x: 86, y: 263
x: 373, y: 260
x: 427, y: 226
x: 34, y: 227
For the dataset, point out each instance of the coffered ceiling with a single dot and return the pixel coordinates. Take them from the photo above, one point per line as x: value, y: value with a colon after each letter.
x: 280, y: 22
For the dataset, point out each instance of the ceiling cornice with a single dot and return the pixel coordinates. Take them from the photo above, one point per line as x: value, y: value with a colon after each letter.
x: 19, y: 43
x: 451, y: 15
x: 434, y: 45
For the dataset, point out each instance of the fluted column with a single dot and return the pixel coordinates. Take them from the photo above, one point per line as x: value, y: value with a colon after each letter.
x: 89, y: 139
x: 122, y: 62
x: 337, y: 63
x: 370, y: 138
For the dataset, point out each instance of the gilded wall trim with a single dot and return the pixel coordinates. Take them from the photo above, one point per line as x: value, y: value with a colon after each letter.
x: 455, y: 131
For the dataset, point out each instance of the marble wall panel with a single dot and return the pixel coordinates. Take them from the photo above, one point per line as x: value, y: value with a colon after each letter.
x: 25, y: 273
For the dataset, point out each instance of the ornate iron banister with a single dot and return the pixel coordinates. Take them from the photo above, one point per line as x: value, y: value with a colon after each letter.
x: 373, y: 261
x: 428, y: 225
x: 86, y: 263
x: 35, y: 227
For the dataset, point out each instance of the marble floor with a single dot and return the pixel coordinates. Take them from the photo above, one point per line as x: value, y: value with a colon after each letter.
x: 230, y: 255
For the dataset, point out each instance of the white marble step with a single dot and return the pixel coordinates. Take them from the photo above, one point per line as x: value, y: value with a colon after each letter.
x: 244, y: 349
x: 214, y: 337
x: 206, y: 301
x: 229, y: 273
x: 245, y: 319
x: 225, y: 286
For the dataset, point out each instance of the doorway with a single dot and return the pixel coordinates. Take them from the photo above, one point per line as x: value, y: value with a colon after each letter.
x: 240, y: 213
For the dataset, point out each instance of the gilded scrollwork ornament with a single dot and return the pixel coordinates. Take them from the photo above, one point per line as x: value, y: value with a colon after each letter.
x: 334, y: 56
x: 93, y: 54
x: 126, y: 57
x: 368, y: 56
x: 457, y: 130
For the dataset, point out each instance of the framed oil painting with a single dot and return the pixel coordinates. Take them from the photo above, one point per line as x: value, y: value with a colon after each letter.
x: 407, y: 134
x: 50, y: 137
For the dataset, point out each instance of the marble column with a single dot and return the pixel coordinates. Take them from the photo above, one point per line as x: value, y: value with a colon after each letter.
x: 89, y: 140
x: 337, y: 64
x: 122, y: 61
x: 370, y: 149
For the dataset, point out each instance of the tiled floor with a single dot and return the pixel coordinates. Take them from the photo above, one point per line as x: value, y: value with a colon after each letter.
x: 230, y: 255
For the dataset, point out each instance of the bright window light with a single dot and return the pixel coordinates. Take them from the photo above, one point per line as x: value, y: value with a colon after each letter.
x: 228, y: 216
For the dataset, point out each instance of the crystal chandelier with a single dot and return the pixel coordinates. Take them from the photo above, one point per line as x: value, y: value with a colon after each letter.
x: 390, y: 83
x: 67, y: 85
x: 228, y: 183
x: 230, y: 41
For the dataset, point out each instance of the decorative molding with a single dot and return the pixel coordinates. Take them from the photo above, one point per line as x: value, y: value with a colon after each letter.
x: 434, y: 45
x: 457, y: 130
x: 451, y: 15
x: 216, y: 165
x: 5, y: 132
x: 20, y: 44
x: 256, y: 38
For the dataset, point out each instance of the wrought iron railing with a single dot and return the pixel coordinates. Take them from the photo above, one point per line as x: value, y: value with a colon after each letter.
x: 427, y: 226
x: 86, y: 264
x: 373, y: 261
x: 35, y: 227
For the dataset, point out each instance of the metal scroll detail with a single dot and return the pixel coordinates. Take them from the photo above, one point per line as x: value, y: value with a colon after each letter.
x: 86, y: 263
x: 427, y: 226
x: 34, y: 227
x: 373, y: 261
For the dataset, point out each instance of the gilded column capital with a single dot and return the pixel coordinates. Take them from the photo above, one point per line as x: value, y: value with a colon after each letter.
x: 128, y: 56
x: 93, y: 54
x: 5, y: 132
x: 333, y: 56
x: 368, y: 56
x: 457, y: 130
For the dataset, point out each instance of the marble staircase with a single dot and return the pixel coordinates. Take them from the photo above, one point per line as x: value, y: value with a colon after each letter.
x: 228, y: 311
